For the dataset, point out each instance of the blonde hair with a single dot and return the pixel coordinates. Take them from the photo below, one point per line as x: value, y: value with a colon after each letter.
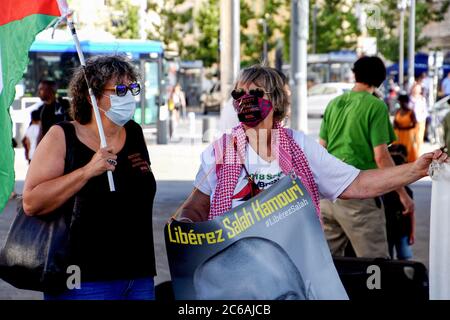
x: 270, y: 80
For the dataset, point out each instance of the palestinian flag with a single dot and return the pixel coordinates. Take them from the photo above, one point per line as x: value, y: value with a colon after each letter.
x: 20, y: 21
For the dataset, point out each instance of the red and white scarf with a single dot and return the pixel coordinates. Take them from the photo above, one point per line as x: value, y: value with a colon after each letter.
x: 229, y: 165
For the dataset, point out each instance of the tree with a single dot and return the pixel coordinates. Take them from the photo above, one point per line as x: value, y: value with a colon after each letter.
x: 124, y: 22
x: 387, y: 35
x: 252, y: 41
x: 208, y: 23
x: 337, y: 25
x: 174, y: 26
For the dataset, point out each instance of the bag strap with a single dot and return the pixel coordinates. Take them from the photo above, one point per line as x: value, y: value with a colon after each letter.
x: 71, y: 138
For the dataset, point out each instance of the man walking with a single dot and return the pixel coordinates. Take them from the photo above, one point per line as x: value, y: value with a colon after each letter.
x: 356, y: 129
x: 53, y: 110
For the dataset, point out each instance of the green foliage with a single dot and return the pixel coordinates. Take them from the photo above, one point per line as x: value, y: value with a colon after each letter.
x: 388, y: 37
x: 252, y: 41
x: 336, y: 21
x: 331, y: 20
x: 174, y: 27
x: 208, y: 24
x: 331, y: 35
x: 124, y: 19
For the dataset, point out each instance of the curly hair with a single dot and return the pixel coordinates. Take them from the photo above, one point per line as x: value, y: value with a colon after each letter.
x: 99, y: 70
x: 370, y: 70
x: 272, y: 82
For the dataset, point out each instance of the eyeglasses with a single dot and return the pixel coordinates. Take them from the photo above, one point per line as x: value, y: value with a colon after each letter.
x: 239, y: 93
x: 121, y: 89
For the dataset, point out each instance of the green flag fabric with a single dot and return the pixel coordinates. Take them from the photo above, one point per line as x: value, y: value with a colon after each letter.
x: 20, y: 21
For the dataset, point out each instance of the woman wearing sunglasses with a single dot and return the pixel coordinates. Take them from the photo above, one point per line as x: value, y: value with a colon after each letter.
x: 111, y: 237
x: 260, y: 151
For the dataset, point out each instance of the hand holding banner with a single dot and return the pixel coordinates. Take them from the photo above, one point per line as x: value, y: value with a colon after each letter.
x: 270, y: 247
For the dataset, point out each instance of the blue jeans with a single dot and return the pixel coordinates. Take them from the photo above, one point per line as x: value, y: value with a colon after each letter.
x: 402, y: 249
x: 136, y: 289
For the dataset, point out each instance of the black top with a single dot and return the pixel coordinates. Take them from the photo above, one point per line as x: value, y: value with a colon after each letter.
x: 53, y: 113
x: 111, y: 232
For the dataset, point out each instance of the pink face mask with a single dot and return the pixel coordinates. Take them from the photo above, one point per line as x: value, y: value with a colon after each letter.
x: 252, y: 110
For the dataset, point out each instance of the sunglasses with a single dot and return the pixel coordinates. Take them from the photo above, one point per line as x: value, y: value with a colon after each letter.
x: 239, y: 93
x: 121, y: 89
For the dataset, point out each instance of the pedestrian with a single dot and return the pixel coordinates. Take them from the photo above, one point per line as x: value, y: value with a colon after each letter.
x: 259, y: 152
x: 405, y: 126
x: 111, y: 237
x: 425, y: 82
x: 419, y: 106
x: 391, y: 97
x: 445, y: 86
x: 30, y: 140
x: 399, y: 226
x: 357, y: 130
x: 179, y: 101
x: 53, y: 109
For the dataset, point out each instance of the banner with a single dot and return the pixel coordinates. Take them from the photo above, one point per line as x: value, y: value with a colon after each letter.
x: 271, y: 247
x: 439, y: 274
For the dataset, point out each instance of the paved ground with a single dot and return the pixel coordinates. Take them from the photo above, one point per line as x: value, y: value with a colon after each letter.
x: 175, y: 166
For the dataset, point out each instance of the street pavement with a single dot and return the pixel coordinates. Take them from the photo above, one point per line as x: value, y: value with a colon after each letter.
x: 175, y: 166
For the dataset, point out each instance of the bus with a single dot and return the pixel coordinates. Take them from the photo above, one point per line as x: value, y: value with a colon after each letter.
x: 56, y: 60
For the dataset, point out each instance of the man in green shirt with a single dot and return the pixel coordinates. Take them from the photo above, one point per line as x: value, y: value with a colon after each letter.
x: 356, y: 129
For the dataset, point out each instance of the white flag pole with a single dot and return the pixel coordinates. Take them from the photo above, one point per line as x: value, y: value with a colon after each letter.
x: 67, y: 15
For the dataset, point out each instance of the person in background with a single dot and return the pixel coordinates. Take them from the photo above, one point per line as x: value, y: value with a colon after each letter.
x: 53, y: 110
x: 357, y: 130
x: 425, y: 82
x: 30, y: 140
x: 419, y: 106
x: 391, y: 97
x: 179, y: 100
x: 405, y: 126
x: 400, y: 227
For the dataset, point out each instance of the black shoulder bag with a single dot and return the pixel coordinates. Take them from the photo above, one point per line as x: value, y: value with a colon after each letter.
x: 36, y: 253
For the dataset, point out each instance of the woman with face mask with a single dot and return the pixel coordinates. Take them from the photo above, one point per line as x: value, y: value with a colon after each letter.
x: 111, y: 237
x: 260, y: 151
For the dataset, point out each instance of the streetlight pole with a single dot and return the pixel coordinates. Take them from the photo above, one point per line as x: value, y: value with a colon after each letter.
x: 401, y: 63
x: 229, y: 45
x: 265, y: 40
x: 299, y: 40
x: 412, y: 45
x: 315, y: 8
x: 263, y: 21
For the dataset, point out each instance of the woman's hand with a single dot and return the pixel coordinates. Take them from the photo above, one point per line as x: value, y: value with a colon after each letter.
x: 421, y: 165
x: 102, y: 161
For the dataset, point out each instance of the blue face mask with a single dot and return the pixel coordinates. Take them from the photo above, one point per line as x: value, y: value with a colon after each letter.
x: 122, y: 109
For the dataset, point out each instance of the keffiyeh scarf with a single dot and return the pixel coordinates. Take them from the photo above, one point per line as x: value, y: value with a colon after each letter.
x: 230, y: 151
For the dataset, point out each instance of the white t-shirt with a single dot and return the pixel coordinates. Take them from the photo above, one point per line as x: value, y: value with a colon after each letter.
x: 419, y: 105
x: 331, y: 175
x: 32, y: 134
